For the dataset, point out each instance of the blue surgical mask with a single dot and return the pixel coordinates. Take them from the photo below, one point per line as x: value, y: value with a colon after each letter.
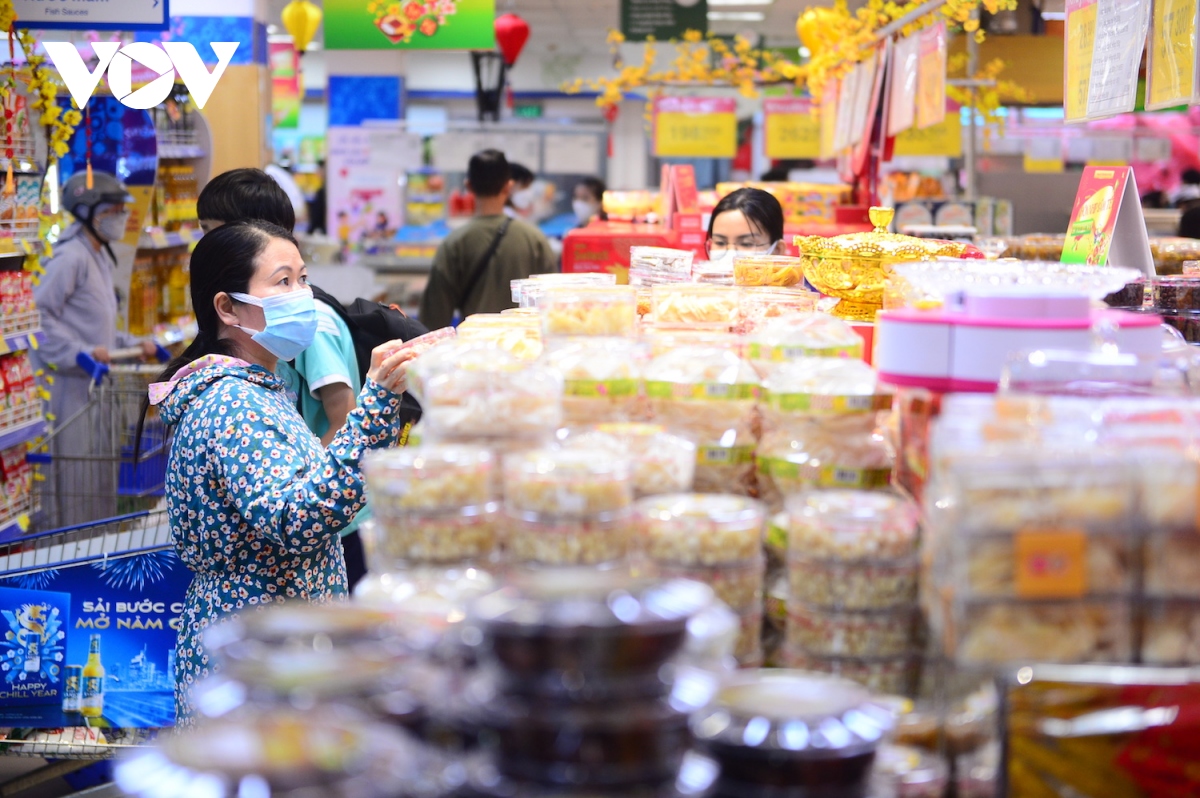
x: 291, y: 322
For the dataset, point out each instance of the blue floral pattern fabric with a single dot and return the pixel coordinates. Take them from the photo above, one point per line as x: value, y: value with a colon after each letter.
x: 255, y: 502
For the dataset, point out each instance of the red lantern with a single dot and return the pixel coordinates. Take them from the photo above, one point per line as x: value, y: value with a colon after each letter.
x: 511, y: 34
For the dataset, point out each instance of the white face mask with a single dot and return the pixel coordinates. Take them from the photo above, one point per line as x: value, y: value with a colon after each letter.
x: 523, y: 200
x: 112, y: 226
x: 584, y: 210
x: 729, y: 254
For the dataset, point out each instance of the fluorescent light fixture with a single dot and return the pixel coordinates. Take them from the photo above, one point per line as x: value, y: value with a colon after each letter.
x: 719, y: 3
x: 736, y: 16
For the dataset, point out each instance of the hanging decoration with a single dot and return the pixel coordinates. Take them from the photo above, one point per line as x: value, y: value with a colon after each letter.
x: 511, y: 34
x: 835, y: 38
x: 10, y: 100
x: 301, y: 18
x: 990, y: 93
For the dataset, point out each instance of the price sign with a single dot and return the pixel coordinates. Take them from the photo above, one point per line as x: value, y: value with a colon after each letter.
x: 931, y: 76
x: 1077, y: 58
x: 943, y: 139
x: 1121, y: 27
x: 792, y: 129
x: 1171, y: 76
x: 695, y: 127
x: 1051, y: 563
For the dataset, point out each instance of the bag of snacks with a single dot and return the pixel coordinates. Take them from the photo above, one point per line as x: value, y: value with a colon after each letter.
x: 602, y: 380
x: 662, y: 463
x: 709, y: 395
x: 491, y: 402
x: 712, y: 307
x: 820, y: 429
x: 797, y: 336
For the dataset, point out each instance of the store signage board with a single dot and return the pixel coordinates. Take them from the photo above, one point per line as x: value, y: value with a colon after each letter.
x: 662, y: 20
x: 285, y: 85
x: 944, y: 139
x: 931, y: 71
x: 695, y: 127
x: 1107, y: 223
x: 89, y: 15
x: 134, y: 606
x: 1173, y: 71
x: 792, y: 128
x: 1121, y: 27
x: 829, y: 118
x: 1077, y: 58
x: 365, y: 167
x: 447, y: 25
x: 571, y: 154
x: 902, y: 108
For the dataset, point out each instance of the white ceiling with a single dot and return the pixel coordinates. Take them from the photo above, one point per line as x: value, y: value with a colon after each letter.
x: 579, y: 27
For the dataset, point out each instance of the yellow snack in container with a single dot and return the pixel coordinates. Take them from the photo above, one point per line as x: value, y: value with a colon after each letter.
x: 662, y: 463
x: 509, y: 400
x: 778, y: 271
x: 589, y: 311
x: 757, y: 306
x: 692, y: 304
x: 456, y: 355
x: 793, y: 337
x: 569, y: 483
x: 709, y: 395
x: 602, y: 379
x: 699, y: 529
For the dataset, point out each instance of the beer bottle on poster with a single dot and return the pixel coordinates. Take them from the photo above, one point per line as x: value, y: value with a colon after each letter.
x: 33, y: 651
x: 91, y: 704
x: 71, y: 688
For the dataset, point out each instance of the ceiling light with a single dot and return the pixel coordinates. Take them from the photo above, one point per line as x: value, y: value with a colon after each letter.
x: 736, y: 16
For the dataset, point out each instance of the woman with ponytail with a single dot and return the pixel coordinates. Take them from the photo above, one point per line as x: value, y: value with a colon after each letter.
x: 255, y: 501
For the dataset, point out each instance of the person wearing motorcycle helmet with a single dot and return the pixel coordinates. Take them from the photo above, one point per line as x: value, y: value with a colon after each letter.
x: 78, y: 304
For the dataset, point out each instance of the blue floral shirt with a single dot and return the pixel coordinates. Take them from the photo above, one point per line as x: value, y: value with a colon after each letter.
x: 255, y: 502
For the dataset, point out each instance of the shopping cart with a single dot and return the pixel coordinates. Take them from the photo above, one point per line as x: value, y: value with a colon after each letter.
x: 85, y: 469
x: 51, y: 559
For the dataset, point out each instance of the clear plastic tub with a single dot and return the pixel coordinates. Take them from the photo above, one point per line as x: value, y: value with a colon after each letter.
x: 662, y: 463
x: 537, y: 539
x: 844, y: 633
x: 748, y: 651
x: 665, y: 340
x: 851, y: 526
x: 602, y: 379
x: 481, y: 402
x: 861, y: 585
x: 429, y: 478
x: 904, y: 772
x: 1174, y: 293
x: 569, y: 483
x: 712, y: 273
x: 812, y: 335
x: 1060, y: 632
x: 1173, y: 565
x: 697, y: 306
x: 777, y: 271
x: 470, y: 534
x: 1171, y: 633
x: 425, y: 600
x: 516, y: 334
x: 739, y: 585
x: 709, y: 395
x: 880, y: 675
x: 845, y: 452
x: 528, y: 293
x: 589, y: 311
x: 456, y: 355
x: 996, y: 566
x: 661, y: 262
x: 819, y: 388
x: 700, y: 529
x: 757, y: 306
x: 423, y: 343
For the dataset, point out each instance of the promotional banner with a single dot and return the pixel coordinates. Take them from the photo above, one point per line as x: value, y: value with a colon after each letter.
x: 33, y: 649
x: 1107, y: 225
x: 285, y: 84
x: 364, y: 171
x: 931, y: 76
x: 1077, y: 59
x: 410, y: 25
x: 1171, y: 76
x: 792, y: 129
x: 1121, y: 27
x: 117, y: 658
x: 695, y: 127
x: 662, y: 19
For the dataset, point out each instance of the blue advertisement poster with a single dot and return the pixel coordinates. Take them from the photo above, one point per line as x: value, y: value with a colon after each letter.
x: 33, y: 648
x: 120, y: 641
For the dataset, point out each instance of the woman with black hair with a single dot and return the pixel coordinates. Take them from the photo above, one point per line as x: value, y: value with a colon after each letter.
x: 588, y: 200
x: 748, y: 221
x: 255, y: 501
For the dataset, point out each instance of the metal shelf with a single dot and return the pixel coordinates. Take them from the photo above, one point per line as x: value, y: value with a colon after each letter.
x: 17, y: 342
x: 22, y: 432
x: 161, y: 240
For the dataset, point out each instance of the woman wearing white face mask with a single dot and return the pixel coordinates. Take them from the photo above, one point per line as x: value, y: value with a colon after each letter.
x: 521, y: 200
x: 78, y: 304
x: 588, y: 200
x: 748, y: 221
x: 255, y: 501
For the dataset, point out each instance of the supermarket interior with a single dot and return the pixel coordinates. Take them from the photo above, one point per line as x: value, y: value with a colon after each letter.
x: 565, y: 399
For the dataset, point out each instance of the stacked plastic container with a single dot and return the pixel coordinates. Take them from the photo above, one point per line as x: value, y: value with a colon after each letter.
x: 713, y: 539
x: 662, y: 462
x: 589, y: 311
x: 696, y: 306
x: 758, y: 306
x: 602, y: 379
x: 527, y: 293
x: 568, y: 507
x: 655, y: 265
x: 775, y: 271
x: 800, y: 336
x: 820, y: 429
x: 577, y: 694
x: 852, y: 565
x: 708, y: 395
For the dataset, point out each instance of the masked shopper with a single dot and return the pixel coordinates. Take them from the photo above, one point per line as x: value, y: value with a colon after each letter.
x: 77, y: 300
x: 255, y: 501
x: 748, y: 221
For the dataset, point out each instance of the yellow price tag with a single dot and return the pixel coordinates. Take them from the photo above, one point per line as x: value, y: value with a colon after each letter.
x: 695, y: 127
x: 1171, y: 78
x: 27, y: 245
x: 23, y: 522
x: 943, y: 139
x: 34, y: 341
x: 792, y: 129
x: 1081, y: 35
x: 1051, y: 563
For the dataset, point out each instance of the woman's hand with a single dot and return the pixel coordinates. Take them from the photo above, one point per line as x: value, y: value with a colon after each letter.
x: 387, y: 366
